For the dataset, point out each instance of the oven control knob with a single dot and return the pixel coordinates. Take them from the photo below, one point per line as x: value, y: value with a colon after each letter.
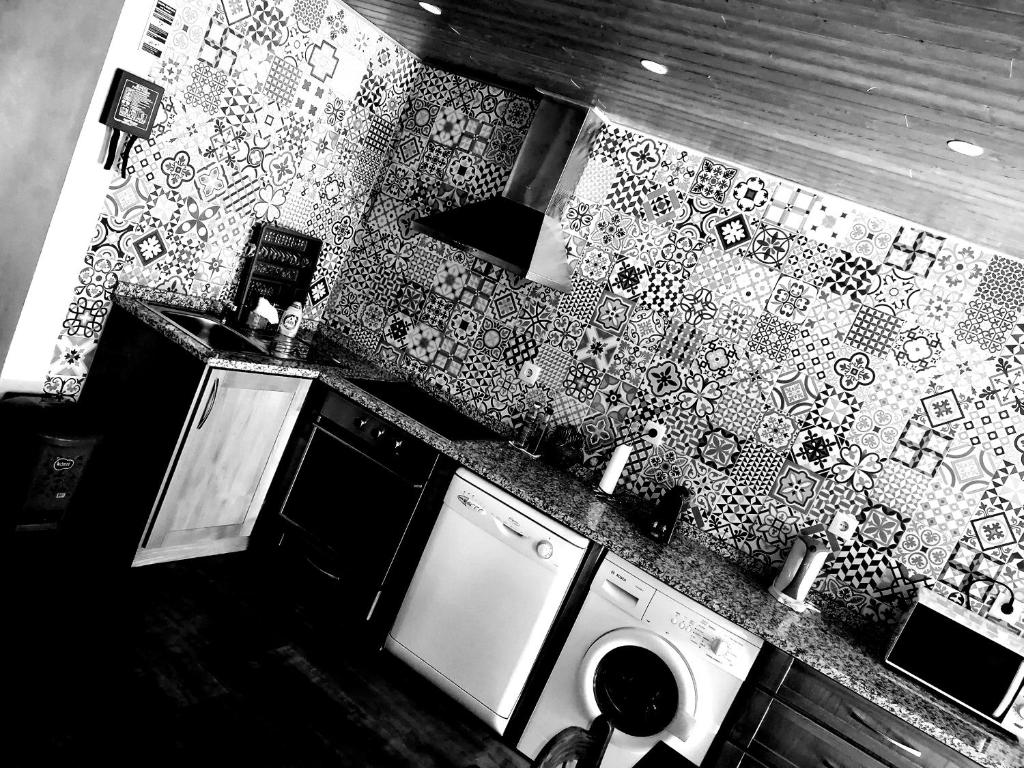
x: 544, y: 549
x: 379, y: 433
x: 361, y: 423
x: 397, y: 445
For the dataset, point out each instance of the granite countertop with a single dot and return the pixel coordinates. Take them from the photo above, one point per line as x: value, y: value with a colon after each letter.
x: 696, y: 564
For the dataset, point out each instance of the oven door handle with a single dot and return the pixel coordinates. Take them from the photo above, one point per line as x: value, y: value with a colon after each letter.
x: 324, y: 571
x: 376, y: 462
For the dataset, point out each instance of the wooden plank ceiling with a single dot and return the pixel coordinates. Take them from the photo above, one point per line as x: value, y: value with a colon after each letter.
x: 852, y: 97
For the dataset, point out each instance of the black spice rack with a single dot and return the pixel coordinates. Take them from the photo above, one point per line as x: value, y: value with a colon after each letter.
x: 279, y: 266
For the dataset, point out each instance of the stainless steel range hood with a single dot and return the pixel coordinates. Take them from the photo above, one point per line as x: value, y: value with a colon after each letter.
x: 519, y: 229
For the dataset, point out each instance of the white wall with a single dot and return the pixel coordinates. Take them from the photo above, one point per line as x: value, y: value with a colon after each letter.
x: 74, y: 218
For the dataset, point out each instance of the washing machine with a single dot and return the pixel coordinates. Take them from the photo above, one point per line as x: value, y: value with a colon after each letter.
x: 661, y: 667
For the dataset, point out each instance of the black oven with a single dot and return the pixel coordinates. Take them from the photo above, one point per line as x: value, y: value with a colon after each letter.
x: 352, y: 500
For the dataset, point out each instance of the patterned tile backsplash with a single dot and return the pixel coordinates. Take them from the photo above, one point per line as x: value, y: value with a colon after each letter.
x: 808, y: 357
x: 281, y: 111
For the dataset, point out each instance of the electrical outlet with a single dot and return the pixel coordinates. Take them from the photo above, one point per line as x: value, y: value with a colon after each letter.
x: 843, y: 526
x: 529, y: 373
x: 657, y: 428
x: 1016, y: 609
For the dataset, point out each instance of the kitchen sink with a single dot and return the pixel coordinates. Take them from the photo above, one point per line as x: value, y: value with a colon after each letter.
x: 211, y: 332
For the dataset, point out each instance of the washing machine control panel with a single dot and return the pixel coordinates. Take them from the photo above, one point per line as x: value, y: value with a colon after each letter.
x: 713, y: 637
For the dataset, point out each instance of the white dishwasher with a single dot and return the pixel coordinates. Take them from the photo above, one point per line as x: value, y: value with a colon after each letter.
x: 485, y: 593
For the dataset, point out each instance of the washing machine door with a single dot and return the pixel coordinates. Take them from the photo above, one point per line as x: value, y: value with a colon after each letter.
x: 642, y: 684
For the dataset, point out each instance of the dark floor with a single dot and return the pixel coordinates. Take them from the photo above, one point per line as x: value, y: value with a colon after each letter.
x: 208, y: 660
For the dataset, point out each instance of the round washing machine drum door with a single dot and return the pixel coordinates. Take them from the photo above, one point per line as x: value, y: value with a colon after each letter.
x: 642, y: 684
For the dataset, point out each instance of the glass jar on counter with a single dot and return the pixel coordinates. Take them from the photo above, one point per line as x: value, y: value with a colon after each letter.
x: 534, y: 426
x: 539, y: 429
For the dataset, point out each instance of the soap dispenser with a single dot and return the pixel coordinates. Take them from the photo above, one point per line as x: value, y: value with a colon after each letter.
x: 290, y: 320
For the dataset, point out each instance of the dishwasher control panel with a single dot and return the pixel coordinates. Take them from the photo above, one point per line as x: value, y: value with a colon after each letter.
x: 508, y: 518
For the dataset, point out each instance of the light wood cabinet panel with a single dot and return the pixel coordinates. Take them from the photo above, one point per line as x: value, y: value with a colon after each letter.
x: 225, y: 461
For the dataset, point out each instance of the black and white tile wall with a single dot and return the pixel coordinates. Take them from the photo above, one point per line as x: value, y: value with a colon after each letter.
x: 808, y: 356
x: 280, y: 111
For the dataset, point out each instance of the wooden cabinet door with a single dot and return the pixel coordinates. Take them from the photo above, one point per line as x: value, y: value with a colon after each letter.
x: 226, y: 459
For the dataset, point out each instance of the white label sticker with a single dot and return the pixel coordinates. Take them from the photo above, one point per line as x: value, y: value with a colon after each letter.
x: 158, y: 28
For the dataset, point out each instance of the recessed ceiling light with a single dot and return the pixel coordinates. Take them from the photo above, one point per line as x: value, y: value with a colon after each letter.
x: 965, y: 147
x: 431, y: 8
x: 653, y: 66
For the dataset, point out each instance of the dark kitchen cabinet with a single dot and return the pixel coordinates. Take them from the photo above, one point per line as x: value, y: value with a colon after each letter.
x: 870, y: 727
x: 789, y: 715
x: 139, y: 391
x: 785, y: 737
x: 731, y: 756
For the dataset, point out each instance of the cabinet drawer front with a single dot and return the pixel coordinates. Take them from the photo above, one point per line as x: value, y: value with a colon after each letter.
x: 787, y: 738
x: 731, y: 756
x: 875, y: 730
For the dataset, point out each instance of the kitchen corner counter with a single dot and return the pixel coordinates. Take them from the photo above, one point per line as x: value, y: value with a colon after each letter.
x: 694, y: 563
x: 254, y: 362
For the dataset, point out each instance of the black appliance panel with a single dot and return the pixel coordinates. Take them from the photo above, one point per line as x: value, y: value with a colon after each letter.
x: 429, y: 411
x: 923, y: 650
x: 356, y: 489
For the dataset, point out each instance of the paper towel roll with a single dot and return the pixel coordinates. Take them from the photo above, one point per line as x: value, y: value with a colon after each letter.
x: 613, y: 471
